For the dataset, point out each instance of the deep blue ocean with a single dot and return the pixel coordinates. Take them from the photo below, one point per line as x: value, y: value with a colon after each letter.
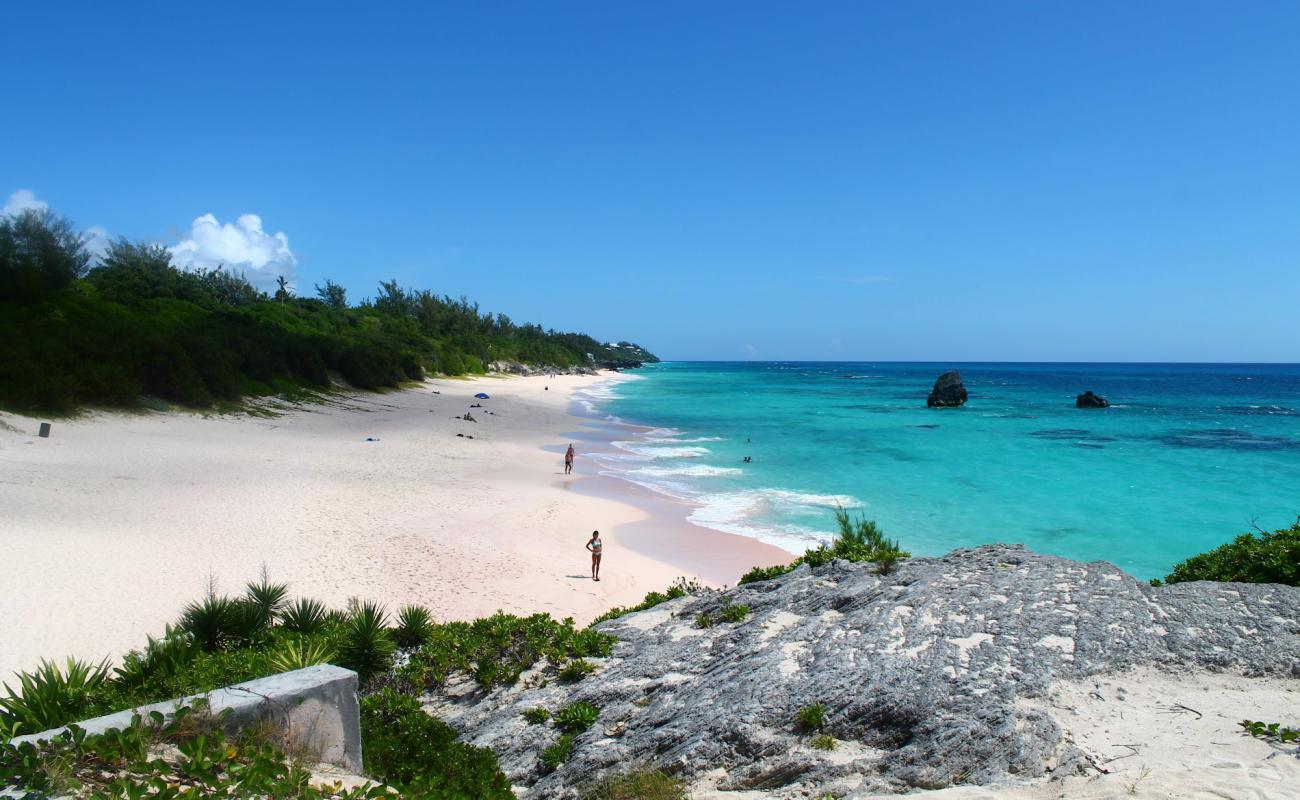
x: 1186, y: 457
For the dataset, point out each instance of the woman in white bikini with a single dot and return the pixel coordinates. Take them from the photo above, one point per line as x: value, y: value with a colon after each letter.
x: 595, y: 545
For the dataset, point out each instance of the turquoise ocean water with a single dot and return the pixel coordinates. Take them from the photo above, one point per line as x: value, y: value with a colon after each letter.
x: 1186, y: 457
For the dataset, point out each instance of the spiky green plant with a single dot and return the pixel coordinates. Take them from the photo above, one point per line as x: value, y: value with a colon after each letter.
x: 811, y: 717
x: 268, y: 597
x: 645, y: 783
x: 576, y: 670
x: 367, y: 646
x: 301, y: 653
x: 164, y: 657
x: 414, y: 626
x: 576, y: 717
x: 537, y: 715
x: 557, y: 753
x: 304, y: 615
x: 50, y: 696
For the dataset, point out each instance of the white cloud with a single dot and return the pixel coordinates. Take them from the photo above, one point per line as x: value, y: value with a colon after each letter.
x: 97, y: 241
x: 239, y: 247
x: 22, y: 200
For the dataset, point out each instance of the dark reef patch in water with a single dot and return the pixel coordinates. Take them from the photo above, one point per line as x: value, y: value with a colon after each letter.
x: 927, y: 427
x: 1226, y: 439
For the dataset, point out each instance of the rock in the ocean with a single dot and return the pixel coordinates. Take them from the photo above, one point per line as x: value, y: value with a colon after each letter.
x: 948, y: 391
x: 1090, y: 400
x: 934, y: 675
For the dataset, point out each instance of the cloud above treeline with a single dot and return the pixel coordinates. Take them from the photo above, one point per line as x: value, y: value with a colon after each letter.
x: 242, y: 246
x: 23, y: 200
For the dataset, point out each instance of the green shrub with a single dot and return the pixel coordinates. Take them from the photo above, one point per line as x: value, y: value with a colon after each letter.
x: 1250, y: 558
x: 267, y: 598
x: 823, y: 742
x: 733, y: 613
x: 161, y: 658
x: 414, y: 626
x: 200, y: 762
x: 811, y: 717
x: 301, y: 653
x: 576, y: 717
x: 537, y: 715
x: 767, y: 573
x: 576, y: 670
x: 51, y: 697
x: 1271, y: 731
x: 496, y: 650
x: 856, y: 540
x: 304, y: 616
x: 40, y: 253
x: 680, y: 588
x: 367, y: 647
x: 557, y: 753
x: 407, y: 748
x: 218, y: 622
x: 704, y: 620
x: 646, y: 783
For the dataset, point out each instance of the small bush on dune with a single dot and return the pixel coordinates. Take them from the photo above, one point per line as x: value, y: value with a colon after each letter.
x: 414, y: 626
x: 576, y: 670
x: 367, y: 647
x: 733, y: 613
x: 301, y: 653
x: 496, y: 650
x: 558, y: 753
x: 856, y: 540
x: 304, y: 616
x: 537, y: 715
x: 420, y: 755
x: 162, y: 657
x: 811, y: 717
x: 268, y: 598
x: 680, y: 588
x: 50, y: 696
x: 1250, y: 558
x: 576, y: 717
x: 641, y: 784
x: 823, y: 742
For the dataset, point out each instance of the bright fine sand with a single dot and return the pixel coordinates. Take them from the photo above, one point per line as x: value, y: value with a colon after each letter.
x: 112, y: 524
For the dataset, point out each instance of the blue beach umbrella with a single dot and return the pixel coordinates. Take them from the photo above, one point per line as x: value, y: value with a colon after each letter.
x: 482, y: 396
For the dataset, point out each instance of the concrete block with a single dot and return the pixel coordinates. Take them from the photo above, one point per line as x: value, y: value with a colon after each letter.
x: 315, y: 709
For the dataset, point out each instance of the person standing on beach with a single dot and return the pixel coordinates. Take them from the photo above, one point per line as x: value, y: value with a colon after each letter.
x: 568, y: 461
x: 595, y: 546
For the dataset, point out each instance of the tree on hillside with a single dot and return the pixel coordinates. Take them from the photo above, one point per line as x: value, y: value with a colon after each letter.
x: 40, y: 253
x: 332, y: 294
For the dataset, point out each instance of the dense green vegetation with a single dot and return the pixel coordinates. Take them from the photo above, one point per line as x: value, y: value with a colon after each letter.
x: 1264, y: 558
x: 680, y: 588
x: 190, y: 756
x: 640, y: 784
x: 856, y: 540
x: 419, y: 755
x: 133, y: 325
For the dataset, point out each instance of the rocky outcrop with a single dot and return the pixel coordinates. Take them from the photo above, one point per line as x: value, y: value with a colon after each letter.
x: 934, y: 675
x: 516, y: 368
x: 1090, y: 400
x: 948, y: 391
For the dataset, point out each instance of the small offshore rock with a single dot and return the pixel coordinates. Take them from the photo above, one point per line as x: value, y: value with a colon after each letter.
x: 1090, y: 400
x: 948, y: 391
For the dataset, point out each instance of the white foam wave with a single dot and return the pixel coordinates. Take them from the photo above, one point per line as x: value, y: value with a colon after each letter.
x: 750, y: 513
x: 662, y: 452
x: 696, y: 470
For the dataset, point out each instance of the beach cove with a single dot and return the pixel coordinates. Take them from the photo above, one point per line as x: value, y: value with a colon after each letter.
x: 118, y: 520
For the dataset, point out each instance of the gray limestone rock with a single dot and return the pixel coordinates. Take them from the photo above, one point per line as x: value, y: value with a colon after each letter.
x: 926, y: 674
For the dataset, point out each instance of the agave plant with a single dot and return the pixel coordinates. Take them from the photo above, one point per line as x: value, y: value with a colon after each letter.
x: 367, y: 645
x: 162, y: 657
x: 304, y: 615
x: 211, y: 621
x: 301, y: 653
x: 50, y: 697
x: 267, y: 596
x: 414, y: 626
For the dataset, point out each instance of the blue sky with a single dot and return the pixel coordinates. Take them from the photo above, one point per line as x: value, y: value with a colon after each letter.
x: 717, y: 180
